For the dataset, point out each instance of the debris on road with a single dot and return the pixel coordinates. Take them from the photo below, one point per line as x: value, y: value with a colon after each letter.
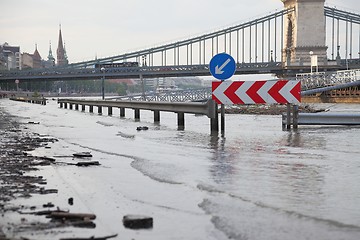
x: 137, y: 221
x: 142, y: 128
x: 91, y: 238
x: 82, y: 154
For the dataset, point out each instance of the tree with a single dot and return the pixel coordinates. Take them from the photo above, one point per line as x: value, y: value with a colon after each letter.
x: 121, y: 90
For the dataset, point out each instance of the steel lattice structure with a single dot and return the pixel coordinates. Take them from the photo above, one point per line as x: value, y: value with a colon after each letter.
x: 322, y: 80
x: 192, y: 95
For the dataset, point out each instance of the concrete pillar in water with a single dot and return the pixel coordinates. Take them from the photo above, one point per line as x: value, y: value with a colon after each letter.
x: 91, y: 108
x: 181, y: 121
x: 109, y: 111
x: 137, y: 114
x: 156, y: 116
x: 122, y: 112
x: 83, y: 108
x: 76, y: 107
x: 100, y: 110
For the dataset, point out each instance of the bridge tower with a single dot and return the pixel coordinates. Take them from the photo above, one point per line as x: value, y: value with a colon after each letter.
x: 305, y: 33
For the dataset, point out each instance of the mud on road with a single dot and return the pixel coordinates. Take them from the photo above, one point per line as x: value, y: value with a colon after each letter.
x: 18, y: 180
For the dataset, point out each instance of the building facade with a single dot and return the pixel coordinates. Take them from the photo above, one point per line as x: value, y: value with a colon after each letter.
x: 31, y: 60
x: 27, y: 61
x: 10, y: 57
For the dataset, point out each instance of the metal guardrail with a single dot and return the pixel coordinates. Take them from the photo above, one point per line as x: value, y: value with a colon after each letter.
x: 207, y: 108
x: 36, y: 100
x: 326, y: 118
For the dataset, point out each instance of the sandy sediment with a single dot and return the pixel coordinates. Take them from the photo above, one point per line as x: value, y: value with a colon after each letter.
x: 19, y: 179
x: 16, y: 161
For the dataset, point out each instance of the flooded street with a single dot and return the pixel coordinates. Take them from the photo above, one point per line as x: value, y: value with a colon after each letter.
x: 258, y: 182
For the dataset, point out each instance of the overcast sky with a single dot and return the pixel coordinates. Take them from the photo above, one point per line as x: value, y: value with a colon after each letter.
x: 112, y: 27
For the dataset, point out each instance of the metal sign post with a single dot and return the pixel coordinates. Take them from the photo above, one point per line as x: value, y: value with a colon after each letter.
x: 222, y: 67
x: 261, y: 92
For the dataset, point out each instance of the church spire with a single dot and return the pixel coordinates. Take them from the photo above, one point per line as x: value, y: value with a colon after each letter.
x: 65, y: 55
x: 61, y: 54
x: 50, y: 56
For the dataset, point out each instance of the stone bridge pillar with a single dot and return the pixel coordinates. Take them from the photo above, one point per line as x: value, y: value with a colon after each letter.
x: 305, y: 33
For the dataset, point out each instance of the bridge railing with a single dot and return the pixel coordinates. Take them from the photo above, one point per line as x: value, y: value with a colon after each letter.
x: 326, y: 79
x: 348, y: 75
x: 191, y: 95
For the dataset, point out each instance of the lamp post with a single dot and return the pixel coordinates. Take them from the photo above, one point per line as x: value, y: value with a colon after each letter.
x: 311, y: 61
x: 103, y: 83
x: 17, y: 84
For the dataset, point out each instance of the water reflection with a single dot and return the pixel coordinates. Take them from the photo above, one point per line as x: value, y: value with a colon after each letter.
x: 299, y: 184
x: 255, y: 168
x: 294, y: 140
x: 223, y: 169
x: 303, y: 139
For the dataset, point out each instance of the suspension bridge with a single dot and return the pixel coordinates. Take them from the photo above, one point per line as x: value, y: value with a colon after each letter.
x: 284, y: 43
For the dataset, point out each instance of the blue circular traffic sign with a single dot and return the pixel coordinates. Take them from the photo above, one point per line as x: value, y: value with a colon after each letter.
x: 222, y: 66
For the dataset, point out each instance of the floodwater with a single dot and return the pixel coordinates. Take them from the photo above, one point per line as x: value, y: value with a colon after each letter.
x: 258, y: 182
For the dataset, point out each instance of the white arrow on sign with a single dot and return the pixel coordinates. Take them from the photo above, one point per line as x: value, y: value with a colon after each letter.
x: 219, y: 70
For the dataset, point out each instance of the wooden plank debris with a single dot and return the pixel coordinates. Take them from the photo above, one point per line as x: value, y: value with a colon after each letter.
x: 64, y: 215
x: 91, y: 238
x: 82, y: 154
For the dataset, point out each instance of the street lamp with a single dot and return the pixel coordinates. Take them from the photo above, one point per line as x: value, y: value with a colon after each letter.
x: 103, y: 83
x: 17, y: 84
x: 314, y: 62
x: 311, y: 53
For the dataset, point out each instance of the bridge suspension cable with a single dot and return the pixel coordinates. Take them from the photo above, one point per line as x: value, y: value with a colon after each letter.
x: 342, y: 33
x: 259, y: 40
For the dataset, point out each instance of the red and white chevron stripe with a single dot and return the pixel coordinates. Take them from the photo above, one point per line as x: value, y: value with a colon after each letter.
x: 256, y: 92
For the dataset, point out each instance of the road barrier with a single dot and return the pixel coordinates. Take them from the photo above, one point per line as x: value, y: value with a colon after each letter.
x: 323, y: 118
x: 35, y: 100
x: 209, y: 109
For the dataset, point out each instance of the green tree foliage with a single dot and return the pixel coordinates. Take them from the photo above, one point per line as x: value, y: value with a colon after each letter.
x: 122, y: 89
